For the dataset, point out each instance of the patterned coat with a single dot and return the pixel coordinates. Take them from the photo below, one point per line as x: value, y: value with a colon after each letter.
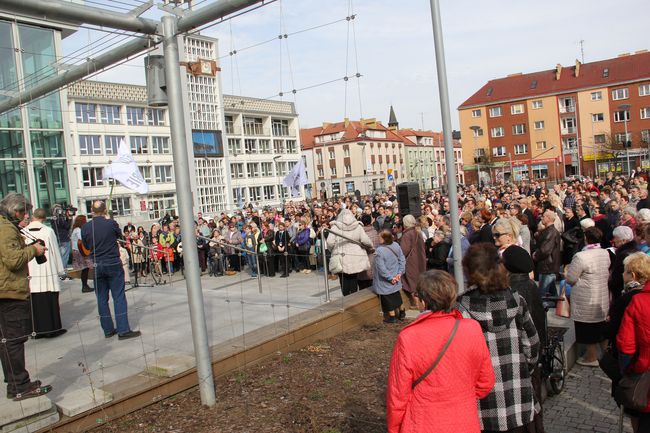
x: 416, y: 260
x: 514, y: 346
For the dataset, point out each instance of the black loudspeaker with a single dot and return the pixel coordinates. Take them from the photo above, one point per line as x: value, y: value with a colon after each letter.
x: 408, y: 195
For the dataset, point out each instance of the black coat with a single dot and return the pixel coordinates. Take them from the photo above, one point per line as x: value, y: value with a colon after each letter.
x: 527, y: 288
x: 548, y: 257
x: 437, y: 254
x: 615, y: 283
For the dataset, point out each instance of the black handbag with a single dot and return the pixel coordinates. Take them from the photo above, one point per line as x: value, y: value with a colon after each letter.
x: 632, y: 390
x: 609, y: 364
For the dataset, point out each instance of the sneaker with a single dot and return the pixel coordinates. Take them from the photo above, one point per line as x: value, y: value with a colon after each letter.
x: 12, y: 395
x: 584, y: 363
x: 87, y: 289
x: 130, y: 334
x: 402, y: 315
x: 390, y: 319
x: 110, y: 334
x: 35, y: 390
x: 307, y: 271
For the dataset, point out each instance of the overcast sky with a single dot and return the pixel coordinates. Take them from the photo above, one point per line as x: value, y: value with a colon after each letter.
x: 483, y: 40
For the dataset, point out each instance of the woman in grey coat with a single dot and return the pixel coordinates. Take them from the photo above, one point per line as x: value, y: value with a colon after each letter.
x: 389, y: 266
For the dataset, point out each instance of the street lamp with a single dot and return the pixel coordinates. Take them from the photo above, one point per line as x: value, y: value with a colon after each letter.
x: 362, y: 135
x: 593, y: 137
x: 477, y: 158
x: 626, y: 143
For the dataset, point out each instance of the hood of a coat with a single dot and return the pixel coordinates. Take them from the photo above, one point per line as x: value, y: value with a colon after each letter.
x: 346, y: 221
x: 494, y: 311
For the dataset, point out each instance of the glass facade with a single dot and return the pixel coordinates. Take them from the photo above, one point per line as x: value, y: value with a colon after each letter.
x: 32, y: 149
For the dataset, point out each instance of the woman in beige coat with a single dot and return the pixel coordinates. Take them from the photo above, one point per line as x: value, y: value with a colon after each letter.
x: 588, y: 273
x: 354, y: 257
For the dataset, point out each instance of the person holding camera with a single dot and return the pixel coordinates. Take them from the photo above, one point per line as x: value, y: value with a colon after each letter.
x: 100, y: 236
x: 15, y: 313
x: 45, y: 280
x: 62, y: 225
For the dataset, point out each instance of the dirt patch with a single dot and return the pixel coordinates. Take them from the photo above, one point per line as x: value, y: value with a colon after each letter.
x: 334, y: 386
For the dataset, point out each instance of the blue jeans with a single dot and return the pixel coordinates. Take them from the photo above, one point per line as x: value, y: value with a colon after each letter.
x: 252, y: 263
x: 547, y: 285
x: 65, y: 248
x: 110, y: 278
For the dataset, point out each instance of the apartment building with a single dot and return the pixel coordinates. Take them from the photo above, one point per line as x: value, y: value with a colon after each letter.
x: 263, y: 146
x: 580, y: 119
x: 350, y: 156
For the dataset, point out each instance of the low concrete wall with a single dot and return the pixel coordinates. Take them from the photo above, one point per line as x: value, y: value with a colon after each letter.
x: 297, y: 332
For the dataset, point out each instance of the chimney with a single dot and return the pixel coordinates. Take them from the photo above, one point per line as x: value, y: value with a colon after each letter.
x: 325, y: 124
x: 558, y: 71
x: 346, y: 121
x: 577, y: 71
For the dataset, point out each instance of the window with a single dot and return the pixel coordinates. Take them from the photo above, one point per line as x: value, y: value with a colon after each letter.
x: 253, y: 126
x: 499, y: 151
x: 134, y: 116
x: 596, y: 96
x: 476, y: 113
x: 267, y: 169
x: 540, y: 145
x: 519, y: 129
x: 230, y: 124
x: 567, y: 105
x: 332, y: 154
x: 121, y: 206
x: 349, y: 186
x: 621, y: 115
x: 319, y: 158
x: 253, y: 169
x: 348, y: 169
x: 291, y: 146
x: 568, y: 125
x: 540, y: 171
x: 163, y: 173
x: 139, y: 145
x: 645, y: 113
x: 539, y: 124
x: 110, y: 114
x: 89, y: 145
x: 644, y: 90
x: 160, y: 145
x: 265, y: 146
x: 569, y: 143
x: 619, y: 94
x: 346, y: 152
x: 621, y: 138
x: 269, y: 192
x: 145, y: 171
x: 237, y: 170
x: 255, y: 193
x: 520, y: 172
x: 478, y: 132
x: 156, y: 117
x: 92, y: 176
x: 597, y: 117
x: 250, y: 145
x: 280, y: 127
x: 600, y: 139
x: 645, y: 136
x: 538, y: 104
x: 112, y: 143
x: 278, y: 146
x: 321, y: 172
x: 495, y: 111
x: 497, y: 132
x: 333, y: 170
x: 517, y: 109
x: 234, y: 146
x: 86, y: 113
x: 520, y: 149
x: 161, y: 204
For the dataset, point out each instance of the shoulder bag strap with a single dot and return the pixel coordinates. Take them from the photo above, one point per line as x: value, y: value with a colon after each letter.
x: 442, y: 352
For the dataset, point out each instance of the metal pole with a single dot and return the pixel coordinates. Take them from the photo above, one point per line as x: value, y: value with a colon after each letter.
x: 511, y: 170
x: 259, y: 275
x: 627, y: 147
x: 184, y: 193
x: 593, y: 137
x: 325, y: 267
x: 579, y: 145
x: 43, y: 87
x: 449, y: 146
x: 213, y: 11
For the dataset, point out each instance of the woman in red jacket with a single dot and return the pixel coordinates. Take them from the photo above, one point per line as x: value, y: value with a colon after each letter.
x: 633, y: 342
x: 445, y: 399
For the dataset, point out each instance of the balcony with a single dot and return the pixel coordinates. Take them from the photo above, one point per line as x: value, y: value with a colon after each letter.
x: 569, y: 130
x: 283, y: 132
x: 255, y: 130
x: 567, y: 109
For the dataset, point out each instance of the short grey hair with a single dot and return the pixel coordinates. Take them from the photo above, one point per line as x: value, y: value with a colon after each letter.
x: 623, y: 233
x: 14, y: 202
x: 409, y: 221
x: 644, y: 215
x: 630, y: 211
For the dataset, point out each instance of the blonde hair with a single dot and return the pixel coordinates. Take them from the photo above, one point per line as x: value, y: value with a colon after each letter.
x: 639, y: 265
x: 409, y: 221
x: 510, y: 226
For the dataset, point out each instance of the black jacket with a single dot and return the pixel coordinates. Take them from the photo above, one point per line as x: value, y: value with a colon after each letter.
x: 615, y: 283
x: 527, y: 288
x: 547, y: 257
x: 437, y: 254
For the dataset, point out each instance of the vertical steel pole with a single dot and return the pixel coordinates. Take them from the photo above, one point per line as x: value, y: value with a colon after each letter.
x: 627, y: 148
x: 325, y: 267
x: 593, y: 137
x: 259, y: 274
x: 452, y: 185
x: 184, y: 193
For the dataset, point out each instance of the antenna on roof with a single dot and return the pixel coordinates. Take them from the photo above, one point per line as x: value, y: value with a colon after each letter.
x: 582, y: 50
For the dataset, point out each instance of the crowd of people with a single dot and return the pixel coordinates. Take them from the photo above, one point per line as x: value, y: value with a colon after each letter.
x: 519, y: 243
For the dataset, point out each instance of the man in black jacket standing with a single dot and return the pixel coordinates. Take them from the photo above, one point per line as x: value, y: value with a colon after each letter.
x: 547, y: 257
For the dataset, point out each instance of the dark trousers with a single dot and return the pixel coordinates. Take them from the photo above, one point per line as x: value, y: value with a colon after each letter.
x: 203, y: 259
x: 349, y: 283
x: 14, y: 327
x: 267, y: 264
x: 235, y: 262
x: 281, y: 263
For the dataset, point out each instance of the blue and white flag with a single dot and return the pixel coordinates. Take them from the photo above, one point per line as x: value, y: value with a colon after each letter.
x: 240, y: 197
x: 296, y: 178
x: 126, y: 170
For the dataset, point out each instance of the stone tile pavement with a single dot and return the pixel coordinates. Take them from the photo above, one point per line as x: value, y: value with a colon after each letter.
x: 585, y: 405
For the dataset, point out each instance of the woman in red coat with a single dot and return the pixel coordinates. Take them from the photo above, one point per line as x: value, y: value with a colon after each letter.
x: 633, y: 342
x: 445, y: 400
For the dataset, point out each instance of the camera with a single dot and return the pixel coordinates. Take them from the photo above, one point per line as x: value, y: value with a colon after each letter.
x: 40, y: 259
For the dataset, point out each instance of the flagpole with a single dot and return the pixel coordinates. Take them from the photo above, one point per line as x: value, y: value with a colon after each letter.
x: 110, y: 199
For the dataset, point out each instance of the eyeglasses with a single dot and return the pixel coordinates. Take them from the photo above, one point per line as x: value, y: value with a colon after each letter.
x: 498, y: 235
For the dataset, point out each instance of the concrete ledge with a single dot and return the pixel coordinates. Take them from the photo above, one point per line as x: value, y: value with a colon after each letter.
x: 32, y: 423
x: 79, y: 401
x: 326, y: 321
x: 170, y: 366
x: 14, y: 411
